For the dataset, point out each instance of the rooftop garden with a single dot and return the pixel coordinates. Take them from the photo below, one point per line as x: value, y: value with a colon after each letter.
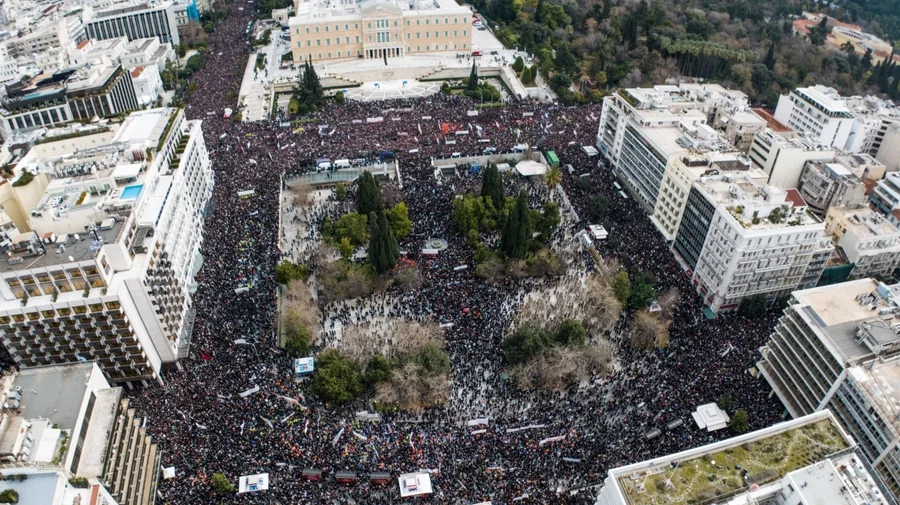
x: 729, y: 471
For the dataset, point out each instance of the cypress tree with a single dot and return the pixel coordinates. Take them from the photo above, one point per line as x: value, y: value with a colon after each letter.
x: 517, y: 229
x: 492, y: 186
x: 368, y: 197
x: 473, y: 77
x: 770, y: 57
x: 383, y: 249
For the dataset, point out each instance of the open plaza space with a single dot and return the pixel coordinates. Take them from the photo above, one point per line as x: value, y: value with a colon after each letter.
x: 483, y: 430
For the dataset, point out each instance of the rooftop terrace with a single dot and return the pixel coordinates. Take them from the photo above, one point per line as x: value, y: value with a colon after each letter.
x: 711, y: 476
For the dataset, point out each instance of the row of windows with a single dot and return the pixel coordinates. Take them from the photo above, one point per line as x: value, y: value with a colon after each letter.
x: 348, y: 54
x: 381, y: 23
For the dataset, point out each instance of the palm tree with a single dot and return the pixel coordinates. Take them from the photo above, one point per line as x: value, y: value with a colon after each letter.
x: 552, y: 179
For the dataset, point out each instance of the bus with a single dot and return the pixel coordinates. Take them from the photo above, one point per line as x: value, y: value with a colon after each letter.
x: 552, y: 159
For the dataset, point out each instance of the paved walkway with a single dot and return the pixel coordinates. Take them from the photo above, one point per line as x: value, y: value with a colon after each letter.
x: 372, y: 91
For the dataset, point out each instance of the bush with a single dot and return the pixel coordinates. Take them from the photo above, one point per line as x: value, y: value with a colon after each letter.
x: 740, y: 421
x: 221, y: 484
x: 24, y: 179
x: 571, y: 333
x: 337, y: 379
x: 286, y: 272
x: 79, y: 482
x: 519, y: 64
x: 339, y: 97
x: 525, y: 343
x: 378, y: 369
x: 9, y: 496
x: 621, y: 286
x: 297, y: 343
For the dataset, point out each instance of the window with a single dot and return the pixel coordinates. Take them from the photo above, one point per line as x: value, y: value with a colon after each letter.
x: 370, y: 25
x: 329, y: 55
x: 464, y: 34
x: 427, y: 21
x: 317, y: 29
x: 326, y: 28
x: 446, y: 21
x: 446, y: 33
x: 418, y: 35
x: 336, y: 28
x: 455, y: 33
x: 427, y: 34
x: 356, y: 26
x: 357, y: 39
x: 347, y: 40
x: 417, y: 22
x: 318, y: 42
x: 308, y: 43
x: 307, y: 29
x: 327, y: 42
x: 347, y: 26
x: 408, y: 35
x: 407, y: 22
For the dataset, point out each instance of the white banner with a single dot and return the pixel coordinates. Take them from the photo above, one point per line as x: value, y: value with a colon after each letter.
x: 477, y: 422
x: 249, y: 392
x: 550, y: 440
x: 461, y: 267
x: 338, y: 436
x: 479, y: 432
x: 378, y: 119
x: 426, y: 118
x: 471, y: 112
x: 529, y: 427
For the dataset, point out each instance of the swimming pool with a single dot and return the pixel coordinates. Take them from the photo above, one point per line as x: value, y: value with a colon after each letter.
x: 132, y: 192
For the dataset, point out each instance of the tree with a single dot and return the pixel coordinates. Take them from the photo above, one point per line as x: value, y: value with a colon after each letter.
x: 740, y: 421
x: 432, y: 359
x: 297, y: 343
x: 648, y: 331
x: 221, y: 484
x: 286, y: 272
x: 383, y: 251
x: 570, y: 333
x: 526, y: 77
x: 378, y: 369
x: 337, y: 379
x: 642, y: 292
x: 565, y: 61
x: 368, y: 196
x: 308, y: 90
x: 547, y: 220
x: 517, y: 229
x: 527, y: 341
x: 398, y: 218
x: 553, y: 177
x: 866, y: 61
x: 339, y: 97
x: 352, y: 226
x: 346, y: 248
x: 770, y: 59
x: 519, y: 64
x: 621, y: 286
x: 492, y: 186
x: 473, y: 77
x: 753, y: 306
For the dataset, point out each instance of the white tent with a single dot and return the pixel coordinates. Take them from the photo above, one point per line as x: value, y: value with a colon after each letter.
x: 589, y: 150
x: 528, y: 168
x: 253, y: 483
x: 169, y: 472
x: 414, y: 484
x: 710, y: 417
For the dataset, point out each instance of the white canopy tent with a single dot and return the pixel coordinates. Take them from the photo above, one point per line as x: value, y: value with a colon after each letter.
x: 528, y: 168
x: 710, y: 417
x: 415, y: 484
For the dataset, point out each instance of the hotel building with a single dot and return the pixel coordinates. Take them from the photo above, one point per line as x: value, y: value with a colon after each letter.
x: 108, y: 270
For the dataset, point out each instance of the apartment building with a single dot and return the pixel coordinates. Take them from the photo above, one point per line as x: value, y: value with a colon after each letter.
x: 108, y: 270
x: 824, y: 185
x: 147, y: 84
x: 99, y: 52
x: 680, y: 174
x: 148, y: 52
x: 378, y: 29
x: 783, y: 155
x: 133, y: 20
x: 740, y: 239
x: 65, y: 421
x: 817, y: 462
x: 73, y: 94
x: 889, y: 150
x: 886, y: 195
x: 869, y: 240
x: 818, y: 111
x: 836, y: 348
x: 740, y: 128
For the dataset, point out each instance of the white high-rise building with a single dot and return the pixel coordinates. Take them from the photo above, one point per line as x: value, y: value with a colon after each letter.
x: 108, y: 272
x: 870, y: 241
x: 741, y: 239
x: 136, y: 20
x: 818, y: 111
x: 837, y: 348
x: 783, y: 155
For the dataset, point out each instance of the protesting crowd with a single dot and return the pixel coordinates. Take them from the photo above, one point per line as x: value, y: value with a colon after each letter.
x: 203, y: 425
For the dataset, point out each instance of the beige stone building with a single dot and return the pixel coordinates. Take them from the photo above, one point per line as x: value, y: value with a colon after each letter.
x: 329, y: 30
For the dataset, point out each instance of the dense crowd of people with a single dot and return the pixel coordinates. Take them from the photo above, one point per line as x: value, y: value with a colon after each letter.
x: 204, y: 426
